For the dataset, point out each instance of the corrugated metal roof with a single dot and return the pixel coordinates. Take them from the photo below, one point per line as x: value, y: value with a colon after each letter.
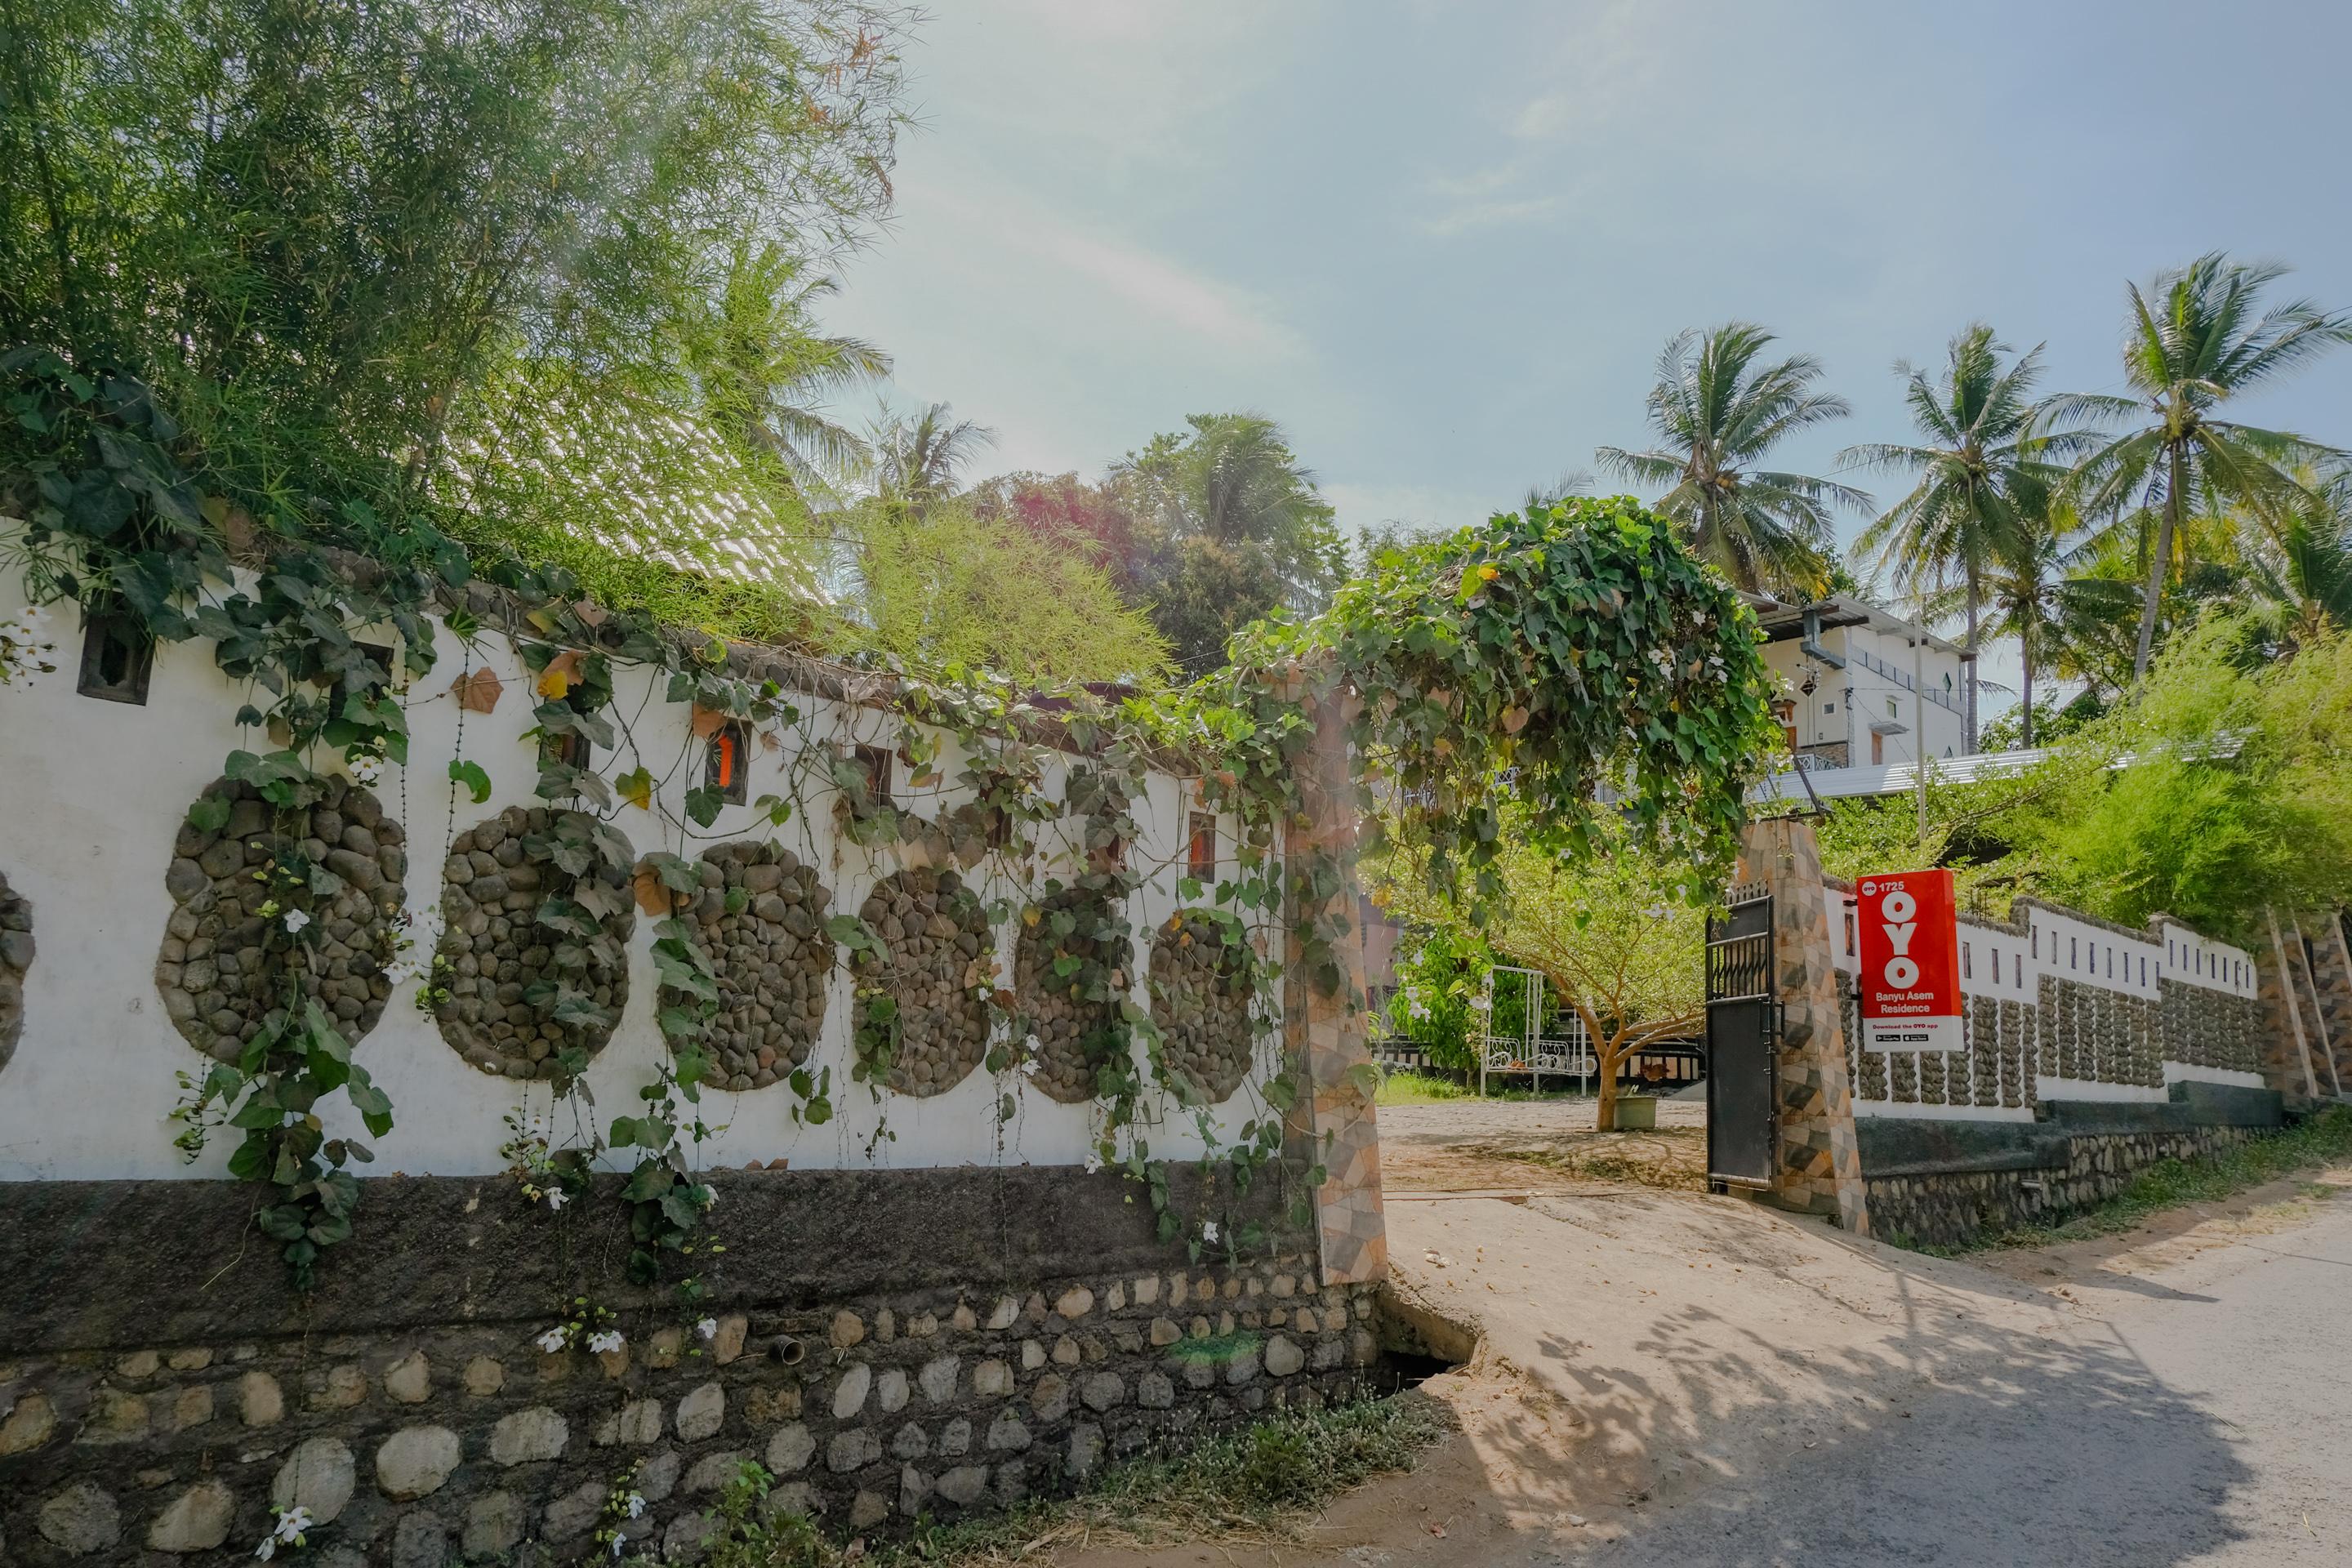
x: 1897, y: 778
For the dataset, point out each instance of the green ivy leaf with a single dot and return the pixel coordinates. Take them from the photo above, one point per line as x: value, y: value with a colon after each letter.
x: 470, y: 775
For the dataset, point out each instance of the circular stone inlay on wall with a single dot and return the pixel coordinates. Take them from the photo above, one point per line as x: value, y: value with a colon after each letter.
x: 530, y: 981
x: 1201, y: 999
x: 938, y: 968
x: 1067, y: 1028
x: 15, y: 958
x: 760, y: 918
x: 221, y: 966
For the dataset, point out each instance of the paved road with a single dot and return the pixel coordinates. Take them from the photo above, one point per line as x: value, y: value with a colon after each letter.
x: 2202, y: 1415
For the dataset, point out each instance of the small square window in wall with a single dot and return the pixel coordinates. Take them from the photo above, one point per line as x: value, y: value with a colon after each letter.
x: 726, y: 762
x: 1201, y: 848
x: 875, y: 763
x: 117, y: 655
x: 573, y: 751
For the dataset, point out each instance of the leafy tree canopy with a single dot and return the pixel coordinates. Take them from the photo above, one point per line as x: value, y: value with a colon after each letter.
x: 529, y: 271
x: 949, y: 585
x: 1578, y: 648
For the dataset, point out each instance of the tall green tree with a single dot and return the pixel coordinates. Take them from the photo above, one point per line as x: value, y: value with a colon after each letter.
x: 2032, y: 592
x: 1231, y: 526
x: 921, y: 462
x: 771, y: 373
x: 947, y: 585
x: 1718, y: 410
x: 416, y: 264
x: 2197, y: 338
x: 2293, y: 569
x: 1982, y: 466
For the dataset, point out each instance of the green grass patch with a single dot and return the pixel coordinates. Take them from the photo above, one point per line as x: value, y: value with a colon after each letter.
x: 1408, y: 1088
x: 1261, y: 1482
x: 2324, y: 1138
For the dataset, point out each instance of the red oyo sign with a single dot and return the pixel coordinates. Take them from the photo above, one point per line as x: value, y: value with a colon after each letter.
x: 1910, y: 962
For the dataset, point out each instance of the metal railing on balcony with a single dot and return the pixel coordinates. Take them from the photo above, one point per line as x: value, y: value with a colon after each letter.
x: 1870, y: 662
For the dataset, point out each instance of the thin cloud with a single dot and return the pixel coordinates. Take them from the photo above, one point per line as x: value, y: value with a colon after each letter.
x: 1195, y: 305
x: 1490, y: 215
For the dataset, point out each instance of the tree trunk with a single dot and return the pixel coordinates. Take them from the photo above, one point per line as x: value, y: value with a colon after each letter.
x: 1606, y: 1059
x: 2026, y: 650
x: 2176, y: 462
x: 1969, y: 674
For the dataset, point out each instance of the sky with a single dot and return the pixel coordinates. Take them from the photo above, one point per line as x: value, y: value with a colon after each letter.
x: 1442, y: 244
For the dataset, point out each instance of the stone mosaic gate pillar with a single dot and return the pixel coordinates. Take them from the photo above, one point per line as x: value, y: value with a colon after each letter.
x: 1819, y: 1166
x: 1334, y: 1120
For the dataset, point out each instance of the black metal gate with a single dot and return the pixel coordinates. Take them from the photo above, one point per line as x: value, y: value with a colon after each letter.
x: 1743, y: 1038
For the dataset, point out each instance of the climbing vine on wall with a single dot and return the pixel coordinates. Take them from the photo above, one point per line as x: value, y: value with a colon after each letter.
x: 1572, y: 658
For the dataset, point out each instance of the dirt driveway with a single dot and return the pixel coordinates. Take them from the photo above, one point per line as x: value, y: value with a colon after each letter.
x: 1671, y: 1378
x: 1537, y: 1145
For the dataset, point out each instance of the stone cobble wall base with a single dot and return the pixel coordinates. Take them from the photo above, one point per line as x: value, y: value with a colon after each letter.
x: 429, y: 1448
x: 1951, y: 1208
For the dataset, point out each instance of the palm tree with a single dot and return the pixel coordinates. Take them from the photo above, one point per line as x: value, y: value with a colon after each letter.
x: 918, y: 462
x: 1572, y: 482
x: 1717, y: 412
x: 1984, y: 462
x: 2035, y: 592
x: 2194, y: 341
x: 2300, y: 564
x: 768, y: 372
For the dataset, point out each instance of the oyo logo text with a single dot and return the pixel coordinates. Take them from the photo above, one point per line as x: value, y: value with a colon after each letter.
x: 1899, y: 912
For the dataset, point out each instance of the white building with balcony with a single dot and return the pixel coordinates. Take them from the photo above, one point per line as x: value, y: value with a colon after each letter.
x: 1862, y: 688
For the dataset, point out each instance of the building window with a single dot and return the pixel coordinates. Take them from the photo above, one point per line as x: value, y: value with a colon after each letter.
x: 1829, y: 707
x: 2074, y: 952
x: 1893, y: 709
x: 1201, y: 848
x: 874, y: 762
x: 1849, y: 932
x: 2037, y: 941
x: 117, y: 654
x: 572, y: 751
x: 726, y: 762
x: 2021, y: 971
x: 1967, y: 972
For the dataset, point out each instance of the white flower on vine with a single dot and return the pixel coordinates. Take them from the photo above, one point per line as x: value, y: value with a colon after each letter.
x: 707, y: 1328
x: 554, y: 1340
x: 1209, y: 1230
x: 365, y: 768
x: 1093, y: 1162
x: 605, y: 1341
x: 635, y: 1505
x: 295, y: 920
x: 616, y: 1544
x: 267, y: 1549
x: 293, y: 1522
x: 709, y: 1197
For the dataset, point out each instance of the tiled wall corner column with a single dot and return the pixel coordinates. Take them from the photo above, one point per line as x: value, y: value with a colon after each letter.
x: 1821, y: 1166
x: 1324, y: 1034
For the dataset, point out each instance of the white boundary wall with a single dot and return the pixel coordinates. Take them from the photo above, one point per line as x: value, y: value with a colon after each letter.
x: 93, y: 791
x: 1999, y: 963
